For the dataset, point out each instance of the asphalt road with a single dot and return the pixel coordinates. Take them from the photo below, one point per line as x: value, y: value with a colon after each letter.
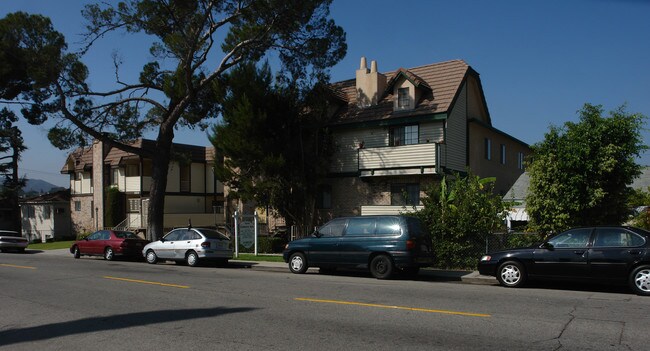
x: 59, y: 303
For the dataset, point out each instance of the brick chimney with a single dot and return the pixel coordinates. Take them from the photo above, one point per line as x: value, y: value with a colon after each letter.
x: 370, y: 84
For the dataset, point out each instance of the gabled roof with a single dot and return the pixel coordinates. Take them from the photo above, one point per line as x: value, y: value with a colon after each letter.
x: 57, y: 196
x: 408, y: 75
x: 82, y: 159
x: 444, y: 80
x: 78, y: 160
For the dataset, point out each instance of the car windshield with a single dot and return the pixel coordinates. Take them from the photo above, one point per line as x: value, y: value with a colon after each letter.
x: 126, y: 235
x: 213, y: 234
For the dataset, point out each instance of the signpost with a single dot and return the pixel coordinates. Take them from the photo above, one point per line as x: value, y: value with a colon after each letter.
x: 245, y: 231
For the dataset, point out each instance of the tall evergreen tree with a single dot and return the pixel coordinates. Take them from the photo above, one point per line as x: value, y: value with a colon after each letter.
x: 272, y: 142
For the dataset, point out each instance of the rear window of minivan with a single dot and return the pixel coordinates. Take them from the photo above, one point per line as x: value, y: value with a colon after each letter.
x: 415, y: 227
x: 389, y: 226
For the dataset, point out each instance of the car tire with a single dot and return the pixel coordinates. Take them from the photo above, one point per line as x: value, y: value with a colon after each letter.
x: 511, y: 274
x: 381, y: 267
x: 109, y: 254
x: 75, y: 252
x: 640, y: 280
x: 298, y: 263
x: 192, y: 259
x: 151, y: 257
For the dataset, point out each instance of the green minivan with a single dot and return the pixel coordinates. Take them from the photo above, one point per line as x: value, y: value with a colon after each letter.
x: 383, y: 244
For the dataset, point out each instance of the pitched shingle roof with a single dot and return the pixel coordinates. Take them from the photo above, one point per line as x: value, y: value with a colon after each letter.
x: 57, y: 196
x: 83, y: 158
x: 444, y: 79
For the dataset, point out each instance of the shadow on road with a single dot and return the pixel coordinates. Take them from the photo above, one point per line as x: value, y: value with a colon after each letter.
x: 98, y: 324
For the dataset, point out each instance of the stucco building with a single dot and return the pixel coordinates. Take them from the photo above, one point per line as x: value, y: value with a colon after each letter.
x: 192, y: 192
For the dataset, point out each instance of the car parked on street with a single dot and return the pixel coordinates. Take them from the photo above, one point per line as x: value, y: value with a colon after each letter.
x: 190, y: 245
x: 109, y: 244
x: 12, y: 241
x: 612, y: 254
x: 382, y: 244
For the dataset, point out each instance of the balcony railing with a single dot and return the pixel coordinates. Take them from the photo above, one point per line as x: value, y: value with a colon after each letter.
x: 399, y: 160
x: 388, y: 210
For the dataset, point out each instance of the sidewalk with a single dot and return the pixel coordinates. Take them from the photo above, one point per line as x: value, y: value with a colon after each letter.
x: 467, y: 277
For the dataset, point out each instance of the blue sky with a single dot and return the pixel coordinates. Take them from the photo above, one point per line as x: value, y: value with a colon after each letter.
x: 539, y: 61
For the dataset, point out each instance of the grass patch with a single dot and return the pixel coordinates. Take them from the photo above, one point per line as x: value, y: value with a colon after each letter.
x: 263, y: 258
x: 51, y: 246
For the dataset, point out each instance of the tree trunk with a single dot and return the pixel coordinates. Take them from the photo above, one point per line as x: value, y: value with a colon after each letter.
x: 160, y: 164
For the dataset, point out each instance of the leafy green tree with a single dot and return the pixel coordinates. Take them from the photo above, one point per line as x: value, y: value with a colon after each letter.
x: 580, y: 173
x: 639, y: 198
x: 182, y: 84
x: 272, y: 142
x: 460, y: 216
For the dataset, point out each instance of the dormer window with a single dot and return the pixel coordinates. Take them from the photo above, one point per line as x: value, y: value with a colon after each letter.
x: 403, y: 98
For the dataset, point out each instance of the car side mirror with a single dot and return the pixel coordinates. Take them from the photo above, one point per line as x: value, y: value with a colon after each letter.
x: 162, y: 240
x: 546, y: 245
x: 317, y: 234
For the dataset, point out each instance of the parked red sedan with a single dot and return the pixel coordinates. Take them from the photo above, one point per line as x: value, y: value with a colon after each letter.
x: 109, y: 243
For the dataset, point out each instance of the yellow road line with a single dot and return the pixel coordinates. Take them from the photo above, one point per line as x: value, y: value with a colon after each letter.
x: 394, y: 307
x: 14, y: 266
x: 147, y: 282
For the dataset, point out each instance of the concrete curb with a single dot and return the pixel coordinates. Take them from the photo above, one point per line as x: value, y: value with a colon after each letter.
x: 467, y: 277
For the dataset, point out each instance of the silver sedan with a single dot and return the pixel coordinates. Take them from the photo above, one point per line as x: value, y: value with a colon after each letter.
x: 190, y: 245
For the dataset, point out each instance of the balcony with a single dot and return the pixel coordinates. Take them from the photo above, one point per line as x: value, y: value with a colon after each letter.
x: 132, y: 184
x: 388, y: 210
x: 399, y: 160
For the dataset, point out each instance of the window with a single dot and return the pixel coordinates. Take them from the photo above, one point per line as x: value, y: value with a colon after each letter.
x: 503, y: 154
x: 616, y: 237
x: 520, y: 160
x: 92, y: 210
x: 488, y: 149
x: 360, y: 226
x: 404, y: 135
x: 132, y: 170
x: 78, y: 176
x: 185, y: 178
x: 403, y: 98
x: 46, y: 211
x: 324, y: 199
x: 134, y: 205
x: 575, y: 238
x: 77, y: 206
x: 175, y: 235
x: 405, y: 194
x: 332, y: 228
x: 147, y: 168
x: 95, y: 236
x: 388, y: 226
x: 115, y: 175
x: 30, y: 211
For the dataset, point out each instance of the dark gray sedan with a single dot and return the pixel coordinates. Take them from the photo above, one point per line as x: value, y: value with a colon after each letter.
x: 610, y: 254
x: 190, y: 245
x: 12, y: 241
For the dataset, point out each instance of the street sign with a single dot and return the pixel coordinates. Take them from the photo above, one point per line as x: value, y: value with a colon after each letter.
x: 247, y: 234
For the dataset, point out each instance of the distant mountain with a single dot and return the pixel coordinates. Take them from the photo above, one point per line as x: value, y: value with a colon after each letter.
x: 39, y: 186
